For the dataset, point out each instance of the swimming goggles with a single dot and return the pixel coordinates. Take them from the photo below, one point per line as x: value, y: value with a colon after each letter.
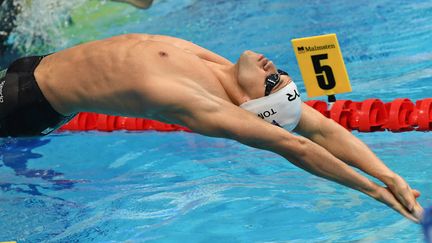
x: 272, y: 81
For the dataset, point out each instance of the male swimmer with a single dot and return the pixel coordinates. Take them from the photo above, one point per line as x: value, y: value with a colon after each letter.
x: 176, y: 81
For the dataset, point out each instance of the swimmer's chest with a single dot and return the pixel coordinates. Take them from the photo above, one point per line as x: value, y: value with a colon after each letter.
x: 178, y: 65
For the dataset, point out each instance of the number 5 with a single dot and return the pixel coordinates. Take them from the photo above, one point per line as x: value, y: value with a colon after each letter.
x: 319, y: 69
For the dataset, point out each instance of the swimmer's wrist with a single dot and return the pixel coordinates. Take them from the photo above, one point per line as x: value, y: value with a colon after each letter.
x: 371, y: 189
x: 389, y: 179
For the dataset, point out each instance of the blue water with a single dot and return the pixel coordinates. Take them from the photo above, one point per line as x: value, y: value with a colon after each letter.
x: 174, y: 187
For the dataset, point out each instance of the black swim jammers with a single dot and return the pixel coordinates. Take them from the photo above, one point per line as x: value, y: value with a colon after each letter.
x: 24, y: 111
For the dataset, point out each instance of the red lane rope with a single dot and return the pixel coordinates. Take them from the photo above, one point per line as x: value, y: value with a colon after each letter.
x: 88, y: 121
x: 399, y: 115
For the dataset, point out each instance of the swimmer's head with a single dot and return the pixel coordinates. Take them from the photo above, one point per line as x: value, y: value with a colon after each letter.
x: 252, y: 71
x: 271, y: 94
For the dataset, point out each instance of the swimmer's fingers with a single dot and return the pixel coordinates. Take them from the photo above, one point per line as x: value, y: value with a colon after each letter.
x: 403, y: 192
x: 385, y: 196
x: 416, y: 193
x: 418, y: 209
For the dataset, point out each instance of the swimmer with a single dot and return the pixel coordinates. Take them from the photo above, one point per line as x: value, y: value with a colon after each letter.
x: 175, y: 81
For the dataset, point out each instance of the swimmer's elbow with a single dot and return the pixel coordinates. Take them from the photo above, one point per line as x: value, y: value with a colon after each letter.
x: 274, y: 139
x: 290, y: 146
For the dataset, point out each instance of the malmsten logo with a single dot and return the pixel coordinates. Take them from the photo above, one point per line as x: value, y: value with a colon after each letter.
x: 303, y: 49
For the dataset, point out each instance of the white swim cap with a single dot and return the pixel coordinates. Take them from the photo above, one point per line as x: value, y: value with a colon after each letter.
x: 282, y: 108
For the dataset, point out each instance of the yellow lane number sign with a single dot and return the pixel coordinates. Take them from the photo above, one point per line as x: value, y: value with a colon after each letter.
x: 321, y: 65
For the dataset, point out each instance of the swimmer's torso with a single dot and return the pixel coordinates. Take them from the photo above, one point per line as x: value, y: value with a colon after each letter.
x: 129, y: 75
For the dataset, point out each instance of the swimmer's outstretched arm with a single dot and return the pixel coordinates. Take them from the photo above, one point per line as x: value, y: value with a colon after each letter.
x: 215, y: 117
x: 345, y: 146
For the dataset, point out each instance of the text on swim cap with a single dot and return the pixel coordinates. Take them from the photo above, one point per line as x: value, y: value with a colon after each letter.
x: 271, y: 112
x: 292, y: 97
x: 267, y: 113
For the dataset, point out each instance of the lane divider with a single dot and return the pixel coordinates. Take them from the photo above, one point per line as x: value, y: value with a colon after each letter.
x: 87, y: 121
x: 399, y: 115
x: 371, y: 115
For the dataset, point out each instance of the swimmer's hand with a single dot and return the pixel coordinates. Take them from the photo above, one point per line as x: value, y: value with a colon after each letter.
x: 405, y: 195
x: 385, y: 195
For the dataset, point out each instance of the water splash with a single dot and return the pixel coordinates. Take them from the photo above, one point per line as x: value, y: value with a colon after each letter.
x: 38, y: 25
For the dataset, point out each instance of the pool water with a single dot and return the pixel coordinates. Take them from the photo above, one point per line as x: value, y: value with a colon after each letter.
x: 174, y: 187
